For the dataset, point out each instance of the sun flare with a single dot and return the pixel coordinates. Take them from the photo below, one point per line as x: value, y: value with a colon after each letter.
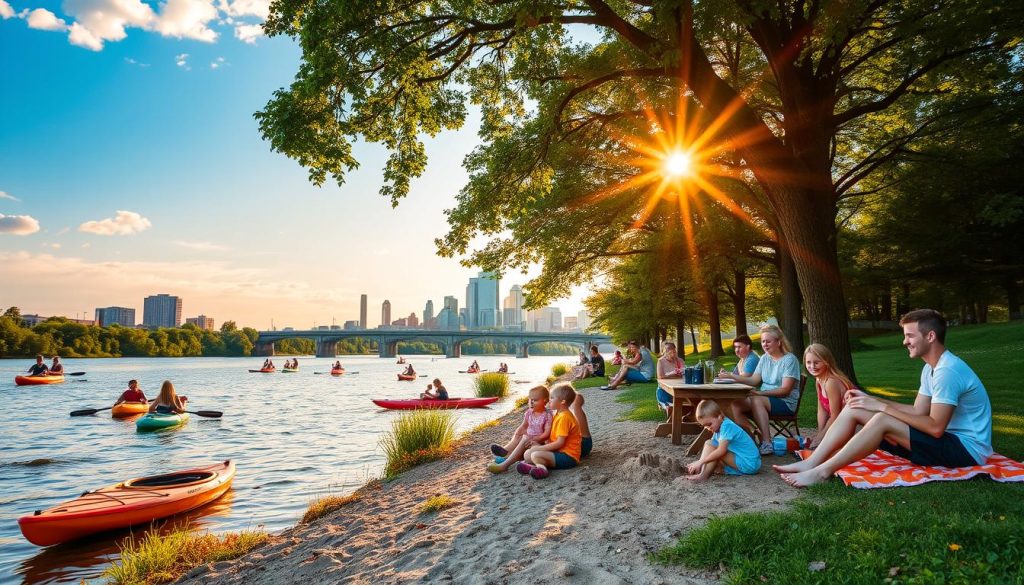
x: 677, y: 164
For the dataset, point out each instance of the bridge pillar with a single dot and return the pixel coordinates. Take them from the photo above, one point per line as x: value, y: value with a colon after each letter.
x: 387, y: 348
x: 327, y: 349
x: 453, y: 349
x: 263, y: 349
x: 523, y: 351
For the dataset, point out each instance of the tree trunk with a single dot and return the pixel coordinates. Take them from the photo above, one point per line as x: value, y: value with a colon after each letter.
x: 657, y: 339
x: 740, y: 301
x: 715, y: 322
x: 1012, y: 297
x: 792, y: 313
x: 693, y: 338
x: 681, y: 338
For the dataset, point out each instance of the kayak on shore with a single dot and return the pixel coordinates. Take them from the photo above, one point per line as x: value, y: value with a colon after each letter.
x: 37, y: 380
x: 414, y: 403
x: 136, y: 501
x: 155, y: 421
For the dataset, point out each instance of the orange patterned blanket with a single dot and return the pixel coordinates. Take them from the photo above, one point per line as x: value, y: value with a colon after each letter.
x: 882, y: 469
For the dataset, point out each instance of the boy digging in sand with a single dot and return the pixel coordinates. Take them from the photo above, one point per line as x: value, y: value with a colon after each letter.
x: 730, y: 447
x: 566, y: 445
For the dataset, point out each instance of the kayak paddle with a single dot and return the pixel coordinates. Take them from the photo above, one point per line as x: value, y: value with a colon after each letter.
x: 88, y: 411
x: 206, y: 413
x: 75, y: 374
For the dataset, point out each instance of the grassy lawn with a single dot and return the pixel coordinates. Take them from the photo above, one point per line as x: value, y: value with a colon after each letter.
x: 957, y: 532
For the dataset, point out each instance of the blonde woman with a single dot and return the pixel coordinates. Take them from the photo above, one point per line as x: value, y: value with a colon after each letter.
x: 778, y: 379
x: 830, y: 384
x: 167, y: 401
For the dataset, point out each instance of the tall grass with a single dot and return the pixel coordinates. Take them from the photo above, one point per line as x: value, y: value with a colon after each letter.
x: 437, y: 503
x: 161, y: 559
x: 322, y: 506
x: 491, y: 384
x: 417, y: 437
x: 560, y: 369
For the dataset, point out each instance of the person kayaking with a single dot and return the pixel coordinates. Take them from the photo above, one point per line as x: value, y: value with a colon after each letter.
x: 56, y: 368
x: 337, y: 365
x: 409, y: 371
x: 132, y: 394
x: 401, y: 360
x: 503, y: 368
x: 39, y: 368
x: 473, y: 368
x: 167, y: 401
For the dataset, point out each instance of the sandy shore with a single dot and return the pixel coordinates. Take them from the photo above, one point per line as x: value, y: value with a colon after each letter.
x: 594, y: 524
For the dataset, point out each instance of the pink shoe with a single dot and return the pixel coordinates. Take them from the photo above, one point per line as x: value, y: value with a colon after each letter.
x: 524, y: 468
x: 539, y: 472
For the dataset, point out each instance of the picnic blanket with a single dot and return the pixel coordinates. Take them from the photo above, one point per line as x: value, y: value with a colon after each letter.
x: 882, y: 469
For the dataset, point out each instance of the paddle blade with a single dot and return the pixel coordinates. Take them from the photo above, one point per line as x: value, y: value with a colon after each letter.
x: 209, y: 413
x: 84, y: 412
x: 75, y: 374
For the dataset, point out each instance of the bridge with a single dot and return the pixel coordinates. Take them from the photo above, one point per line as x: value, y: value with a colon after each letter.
x: 450, y: 341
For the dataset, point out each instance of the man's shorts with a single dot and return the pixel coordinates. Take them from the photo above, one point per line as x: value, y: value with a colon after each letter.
x: 635, y: 375
x: 779, y: 407
x: 946, y: 451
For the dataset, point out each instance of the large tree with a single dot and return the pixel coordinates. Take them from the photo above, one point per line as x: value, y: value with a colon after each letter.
x: 564, y: 117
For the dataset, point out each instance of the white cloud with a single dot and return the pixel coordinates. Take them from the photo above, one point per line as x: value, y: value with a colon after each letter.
x: 131, y: 61
x: 54, y: 245
x: 260, y: 8
x: 43, y: 19
x: 125, y: 223
x: 248, y: 33
x: 18, y: 225
x: 203, y: 246
x: 5, y: 10
x: 83, y: 37
x: 97, y: 21
x: 182, y: 61
x: 188, y: 19
x: 5, y: 194
x: 216, y: 64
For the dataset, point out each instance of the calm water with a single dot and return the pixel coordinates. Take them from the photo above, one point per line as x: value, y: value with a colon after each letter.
x: 293, y: 436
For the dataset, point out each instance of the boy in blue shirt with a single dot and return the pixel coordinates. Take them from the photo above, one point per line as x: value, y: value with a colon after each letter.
x: 730, y: 449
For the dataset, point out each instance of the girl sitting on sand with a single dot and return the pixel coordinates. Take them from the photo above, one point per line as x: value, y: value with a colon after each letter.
x: 730, y: 448
x: 565, y: 448
x: 830, y: 385
x: 534, y: 430
x: 167, y: 401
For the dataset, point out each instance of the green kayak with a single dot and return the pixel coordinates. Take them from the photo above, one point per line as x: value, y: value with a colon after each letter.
x: 154, y: 421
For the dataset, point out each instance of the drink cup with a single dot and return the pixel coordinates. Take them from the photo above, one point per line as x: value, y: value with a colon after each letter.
x: 779, y: 446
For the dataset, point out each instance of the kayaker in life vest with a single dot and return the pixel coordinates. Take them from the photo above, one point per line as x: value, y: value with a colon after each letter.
x: 57, y: 368
x: 132, y: 394
x: 167, y: 401
x: 39, y: 368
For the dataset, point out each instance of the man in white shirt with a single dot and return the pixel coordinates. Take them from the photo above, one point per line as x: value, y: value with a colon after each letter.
x: 949, y: 424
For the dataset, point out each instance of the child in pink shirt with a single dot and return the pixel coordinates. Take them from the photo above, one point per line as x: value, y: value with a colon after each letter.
x: 534, y: 430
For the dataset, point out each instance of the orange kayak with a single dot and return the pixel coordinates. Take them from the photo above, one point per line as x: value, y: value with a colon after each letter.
x: 35, y: 380
x: 129, y: 409
x: 136, y: 501
x: 406, y: 377
x: 337, y: 371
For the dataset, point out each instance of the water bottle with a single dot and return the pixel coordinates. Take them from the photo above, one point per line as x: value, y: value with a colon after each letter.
x: 699, y: 373
x: 779, y: 445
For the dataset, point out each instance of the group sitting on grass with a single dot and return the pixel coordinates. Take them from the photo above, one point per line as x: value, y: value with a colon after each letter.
x: 637, y: 367
x: 546, y: 439
x: 593, y: 367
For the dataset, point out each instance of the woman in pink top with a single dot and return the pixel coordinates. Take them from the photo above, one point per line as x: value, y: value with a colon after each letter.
x: 830, y: 385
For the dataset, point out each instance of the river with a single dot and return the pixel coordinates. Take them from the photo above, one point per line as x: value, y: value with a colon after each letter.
x: 294, y: 437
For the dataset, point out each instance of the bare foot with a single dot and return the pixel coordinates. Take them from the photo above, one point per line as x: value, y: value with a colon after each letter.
x: 793, y: 467
x: 805, y: 478
x: 695, y: 477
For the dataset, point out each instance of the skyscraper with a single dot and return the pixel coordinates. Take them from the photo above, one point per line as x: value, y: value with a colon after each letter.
x: 161, y: 310
x: 583, y: 319
x: 202, y: 322
x: 362, y: 311
x: 428, y: 312
x: 122, y: 316
x: 385, y: 314
x: 482, y: 301
x: 512, y: 313
x: 544, y: 320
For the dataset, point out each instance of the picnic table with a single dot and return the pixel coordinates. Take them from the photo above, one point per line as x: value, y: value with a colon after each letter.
x: 685, y: 398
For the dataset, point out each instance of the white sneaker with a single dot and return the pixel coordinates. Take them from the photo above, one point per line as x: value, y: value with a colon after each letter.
x: 767, y: 449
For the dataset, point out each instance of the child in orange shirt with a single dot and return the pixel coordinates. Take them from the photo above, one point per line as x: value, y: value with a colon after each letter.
x: 564, y: 449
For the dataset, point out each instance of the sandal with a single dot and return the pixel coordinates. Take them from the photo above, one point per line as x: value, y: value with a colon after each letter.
x: 500, y: 459
x: 539, y: 472
x: 498, y: 450
x: 495, y: 468
x: 524, y: 468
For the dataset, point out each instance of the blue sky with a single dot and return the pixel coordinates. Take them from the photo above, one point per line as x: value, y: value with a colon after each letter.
x: 158, y: 125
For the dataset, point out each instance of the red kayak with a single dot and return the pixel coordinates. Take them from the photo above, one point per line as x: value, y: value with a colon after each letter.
x: 406, y: 377
x: 263, y: 371
x: 337, y: 371
x: 414, y: 403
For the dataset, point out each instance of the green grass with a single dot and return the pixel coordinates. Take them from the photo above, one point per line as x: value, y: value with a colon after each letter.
x: 417, y: 437
x: 560, y: 369
x: 522, y: 401
x: 491, y: 384
x: 323, y: 506
x: 956, y: 532
x: 161, y: 559
x: 437, y: 503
